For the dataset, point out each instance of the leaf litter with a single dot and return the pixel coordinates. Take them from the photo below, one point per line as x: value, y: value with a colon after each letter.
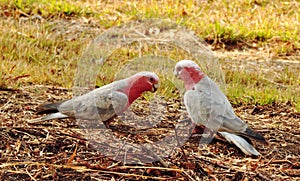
x: 58, y: 149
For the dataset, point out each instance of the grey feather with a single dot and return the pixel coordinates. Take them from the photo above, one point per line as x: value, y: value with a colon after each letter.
x: 100, y: 104
x: 207, y: 105
x: 241, y: 143
x: 96, y: 105
x: 57, y: 115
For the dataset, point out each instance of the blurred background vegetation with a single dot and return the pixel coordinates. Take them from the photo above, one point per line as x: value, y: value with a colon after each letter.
x: 257, y: 41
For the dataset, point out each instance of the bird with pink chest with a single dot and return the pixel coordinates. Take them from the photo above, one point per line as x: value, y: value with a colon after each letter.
x: 207, y: 105
x: 104, y: 103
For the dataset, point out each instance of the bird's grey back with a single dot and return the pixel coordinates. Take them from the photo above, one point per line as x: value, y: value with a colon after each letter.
x: 96, y: 102
x: 218, y: 102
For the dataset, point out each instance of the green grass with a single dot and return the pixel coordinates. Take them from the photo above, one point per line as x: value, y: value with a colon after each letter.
x: 32, y: 49
x: 255, y: 88
x: 48, y: 8
x: 44, y: 52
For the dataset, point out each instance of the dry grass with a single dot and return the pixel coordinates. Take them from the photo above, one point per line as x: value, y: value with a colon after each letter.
x: 42, y: 41
x: 45, y: 39
x: 60, y: 150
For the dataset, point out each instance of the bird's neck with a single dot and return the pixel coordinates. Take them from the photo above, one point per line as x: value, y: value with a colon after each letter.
x: 193, y: 78
x: 134, y: 90
x: 133, y: 94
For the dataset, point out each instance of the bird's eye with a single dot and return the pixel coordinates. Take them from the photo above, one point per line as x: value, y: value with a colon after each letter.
x: 151, y: 79
x: 178, y: 69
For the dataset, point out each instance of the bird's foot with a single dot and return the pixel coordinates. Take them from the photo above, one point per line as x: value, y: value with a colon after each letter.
x: 107, y: 124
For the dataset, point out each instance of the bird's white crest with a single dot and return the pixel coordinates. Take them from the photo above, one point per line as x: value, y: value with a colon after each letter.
x: 146, y: 73
x: 187, y: 63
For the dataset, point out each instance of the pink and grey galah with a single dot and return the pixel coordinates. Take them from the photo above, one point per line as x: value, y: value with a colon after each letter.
x: 104, y: 103
x: 207, y: 105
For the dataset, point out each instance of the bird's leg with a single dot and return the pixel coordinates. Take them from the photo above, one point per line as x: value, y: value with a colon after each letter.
x: 107, y: 122
x: 207, y: 136
x: 197, y: 129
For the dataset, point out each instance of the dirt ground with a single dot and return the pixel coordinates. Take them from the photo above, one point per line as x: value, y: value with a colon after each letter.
x: 57, y: 150
x: 60, y: 149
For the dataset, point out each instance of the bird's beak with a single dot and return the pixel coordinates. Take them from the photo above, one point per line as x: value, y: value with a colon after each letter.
x: 155, y: 87
x: 176, y: 74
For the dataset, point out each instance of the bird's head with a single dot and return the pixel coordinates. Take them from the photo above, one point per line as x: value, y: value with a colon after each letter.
x: 188, y: 71
x: 146, y: 81
x: 141, y: 82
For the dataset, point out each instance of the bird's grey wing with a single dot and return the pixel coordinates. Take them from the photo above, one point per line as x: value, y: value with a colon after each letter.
x: 241, y: 143
x: 96, y: 105
x: 207, y: 105
x: 219, y: 114
x: 202, y: 109
x: 233, y: 124
x: 222, y: 108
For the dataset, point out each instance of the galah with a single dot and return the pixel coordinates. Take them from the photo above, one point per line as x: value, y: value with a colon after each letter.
x: 207, y: 105
x: 104, y: 103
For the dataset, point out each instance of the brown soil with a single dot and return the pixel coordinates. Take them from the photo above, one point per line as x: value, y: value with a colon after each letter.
x: 58, y: 149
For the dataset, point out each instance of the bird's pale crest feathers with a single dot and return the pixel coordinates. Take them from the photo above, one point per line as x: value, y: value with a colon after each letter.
x: 189, y: 72
x: 185, y: 64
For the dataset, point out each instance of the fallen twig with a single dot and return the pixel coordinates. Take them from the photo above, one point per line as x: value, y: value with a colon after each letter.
x: 262, y: 176
x: 73, y: 155
x: 231, y: 167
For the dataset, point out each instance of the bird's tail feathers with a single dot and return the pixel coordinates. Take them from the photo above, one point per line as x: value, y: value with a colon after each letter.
x: 241, y: 143
x: 48, y: 108
x: 252, y: 134
x: 57, y: 115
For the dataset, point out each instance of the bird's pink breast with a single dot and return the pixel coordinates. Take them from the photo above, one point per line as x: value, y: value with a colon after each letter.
x: 191, y: 76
